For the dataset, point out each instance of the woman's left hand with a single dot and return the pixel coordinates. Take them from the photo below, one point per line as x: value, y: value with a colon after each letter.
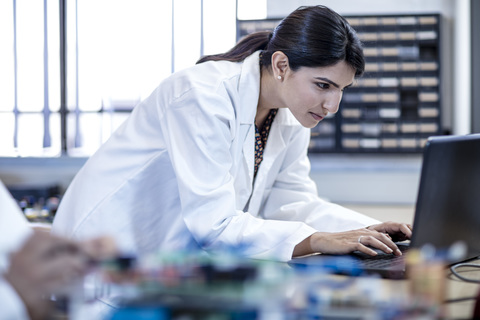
x: 397, y: 231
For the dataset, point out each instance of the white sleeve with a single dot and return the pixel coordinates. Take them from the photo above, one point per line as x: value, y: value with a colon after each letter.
x: 14, y: 230
x: 14, y: 227
x: 294, y: 195
x: 11, y: 306
x: 199, y: 139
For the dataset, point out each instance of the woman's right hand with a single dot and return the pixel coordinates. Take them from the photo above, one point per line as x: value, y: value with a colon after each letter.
x: 348, y: 241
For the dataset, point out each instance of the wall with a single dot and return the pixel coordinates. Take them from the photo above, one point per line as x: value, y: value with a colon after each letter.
x: 39, y: 172
x: 386, y: 179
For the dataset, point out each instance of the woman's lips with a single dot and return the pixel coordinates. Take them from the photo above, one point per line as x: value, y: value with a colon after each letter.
x: 316, y: 116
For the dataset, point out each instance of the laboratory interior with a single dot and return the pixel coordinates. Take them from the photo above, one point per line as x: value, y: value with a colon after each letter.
x: 401, y: 151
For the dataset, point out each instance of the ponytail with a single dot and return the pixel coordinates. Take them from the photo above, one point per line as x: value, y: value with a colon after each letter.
x: 245, y: 47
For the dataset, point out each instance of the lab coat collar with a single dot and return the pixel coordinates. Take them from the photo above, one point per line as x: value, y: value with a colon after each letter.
x: 249, y: 91
x: 249, y: 88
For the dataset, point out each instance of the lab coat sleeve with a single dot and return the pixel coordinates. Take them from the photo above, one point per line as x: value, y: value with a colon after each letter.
x: 198, y: 130
x: 294, y: 194
x: 14, y: 227
x: 14, y: 230
x: 11, y: 306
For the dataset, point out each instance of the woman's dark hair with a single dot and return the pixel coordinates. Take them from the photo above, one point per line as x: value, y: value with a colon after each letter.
x: 311, y: 36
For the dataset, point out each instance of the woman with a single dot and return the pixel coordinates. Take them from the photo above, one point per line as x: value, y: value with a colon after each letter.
x: 192, y: 167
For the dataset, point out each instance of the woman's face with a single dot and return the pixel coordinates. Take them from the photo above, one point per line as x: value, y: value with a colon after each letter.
x: 312, y: 93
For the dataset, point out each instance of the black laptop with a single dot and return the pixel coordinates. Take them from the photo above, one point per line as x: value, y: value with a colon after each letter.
x: 447, y: 211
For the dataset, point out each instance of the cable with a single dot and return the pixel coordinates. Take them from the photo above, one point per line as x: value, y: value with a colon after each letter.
x: 454, y: 271
x: 459, y: 299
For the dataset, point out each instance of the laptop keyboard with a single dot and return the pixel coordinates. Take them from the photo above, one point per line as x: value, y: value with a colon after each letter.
x: 385, y: 264
x: 384, y: 260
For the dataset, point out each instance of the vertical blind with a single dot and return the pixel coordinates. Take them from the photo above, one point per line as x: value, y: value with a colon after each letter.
x: 71, y: 71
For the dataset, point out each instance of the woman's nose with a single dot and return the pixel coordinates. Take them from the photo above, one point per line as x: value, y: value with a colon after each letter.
x: 333, y: 102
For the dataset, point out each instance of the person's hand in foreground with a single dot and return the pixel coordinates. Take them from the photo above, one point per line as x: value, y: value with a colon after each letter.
x: 47, y: 264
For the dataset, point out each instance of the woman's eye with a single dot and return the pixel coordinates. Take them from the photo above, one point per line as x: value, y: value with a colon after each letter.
x: 323, y: 85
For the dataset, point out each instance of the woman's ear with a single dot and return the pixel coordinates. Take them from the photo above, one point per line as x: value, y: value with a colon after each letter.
x: 279, y: 64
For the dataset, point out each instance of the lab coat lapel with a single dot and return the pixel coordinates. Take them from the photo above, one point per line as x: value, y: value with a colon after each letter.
x: 249, y: 91
x: 249, y: 152
x: 275, y: 145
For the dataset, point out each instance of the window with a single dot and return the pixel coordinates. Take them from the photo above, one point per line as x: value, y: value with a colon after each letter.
x: 115, y: 53
x: 29, y: 82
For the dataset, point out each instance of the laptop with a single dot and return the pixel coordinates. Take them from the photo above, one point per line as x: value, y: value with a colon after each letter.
x: 447, y: 211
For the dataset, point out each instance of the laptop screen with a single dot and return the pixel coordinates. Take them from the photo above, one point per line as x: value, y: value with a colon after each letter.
x: 448, y: 203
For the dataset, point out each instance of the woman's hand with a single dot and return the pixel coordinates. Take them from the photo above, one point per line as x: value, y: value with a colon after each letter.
x: 397, y: 231
x: 380, y: 236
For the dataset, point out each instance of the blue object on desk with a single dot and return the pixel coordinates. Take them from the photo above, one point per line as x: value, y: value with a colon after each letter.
x: 329, y: 264
x: 141, y: 313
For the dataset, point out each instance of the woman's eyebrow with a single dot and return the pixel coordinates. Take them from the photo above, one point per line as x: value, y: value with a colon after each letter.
x: 332, y: 83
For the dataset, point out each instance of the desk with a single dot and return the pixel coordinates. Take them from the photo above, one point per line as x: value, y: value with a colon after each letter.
x: 458, y: 289
x: 459, y: 296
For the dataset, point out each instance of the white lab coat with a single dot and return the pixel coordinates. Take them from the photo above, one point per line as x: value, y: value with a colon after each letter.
x: 178, y: 174
x: 14, y: 230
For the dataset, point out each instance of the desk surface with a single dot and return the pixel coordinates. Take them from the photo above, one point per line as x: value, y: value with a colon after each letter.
x: 462, y: 293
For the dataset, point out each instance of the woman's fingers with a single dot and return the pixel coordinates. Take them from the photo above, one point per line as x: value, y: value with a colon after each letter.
x: 363, y: 240
x: 379, y: 241
x: 398, y: 231
x: 364, y: 247
x: 406, y: 230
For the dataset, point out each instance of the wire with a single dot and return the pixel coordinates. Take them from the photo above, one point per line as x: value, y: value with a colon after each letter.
x: 454, y: 271
x: 460, y: 299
